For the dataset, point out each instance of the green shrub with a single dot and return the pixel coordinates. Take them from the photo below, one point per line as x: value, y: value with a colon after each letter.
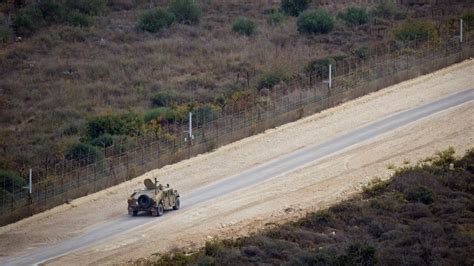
x: 70, y: 130
x: 354, y: 15
x: 319, y: 21
x: 89, y: 7
x: 468, y: 19
x: 160, y: 114
x: 78, y: 19
x: 185, y: 11
x: 320, y: 67
x: 162, y: 99
x: 420, y: 194
x: 28, y: 20
x: 362, y: 53
x: 86, y: 152
x: 420, y: 31
x: 6, y: 34
x: 105, y: 140
x: 129, y: 124
x: 387, y: 10
x: 155, y: 20
x: 275, y: 18
x: 52, y: 10
x: 10, y: 180
x: 358, y: 254
x: 375, y: 187
x: 244, y: 26
x: 271, y: 78
x: 294, y: 7
x: 204, y: 113
x: 212, y: 248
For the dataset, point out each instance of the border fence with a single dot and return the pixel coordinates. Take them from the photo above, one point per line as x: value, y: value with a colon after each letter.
x: 352, y: 78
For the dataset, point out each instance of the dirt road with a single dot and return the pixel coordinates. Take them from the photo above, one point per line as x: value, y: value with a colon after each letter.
x: 239, y: 211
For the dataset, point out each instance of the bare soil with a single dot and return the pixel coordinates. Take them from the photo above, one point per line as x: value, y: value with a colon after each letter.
x: 316, y: 186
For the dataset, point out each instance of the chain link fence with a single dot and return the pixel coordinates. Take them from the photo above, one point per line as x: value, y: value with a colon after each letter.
x: 304, y: 96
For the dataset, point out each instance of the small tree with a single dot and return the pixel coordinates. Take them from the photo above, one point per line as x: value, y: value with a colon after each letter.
x: 155, y: 20
x: 294, y: 7
x: 86, y: 152
x: 185, y: 11
x: 354, y: 15
x: 244, y: 26
x: 319, y: 21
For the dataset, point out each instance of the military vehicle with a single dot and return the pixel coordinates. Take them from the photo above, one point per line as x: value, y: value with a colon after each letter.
x: 154, y: 199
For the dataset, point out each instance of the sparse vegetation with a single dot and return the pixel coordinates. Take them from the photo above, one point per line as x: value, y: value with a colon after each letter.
x: 84, y: 152
x: 155, y: 20
x: 185, y: 11
x: 320, y: 67
x: 415, y: 218
x: 244, y: 26
x: 419, y: 31
x: 67, y: 63
x: 275, y: 18
x: 294, y: 7
x: 354, y: 15
x: 317, y: 22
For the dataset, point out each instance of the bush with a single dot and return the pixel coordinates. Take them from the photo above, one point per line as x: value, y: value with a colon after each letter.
x: 52, y: 10
x: 124, y: 124
x: 10, y: 180
x: 320, y: 67
x: 6, y: 34
x: 78, y: 19
x: 105, y: 140
x: 420, y: 194
x: 294, y: 7
x: 70, y: 130
x: 358, y: 254
x: 161, y: 114
x: 155, y: 20
x: 387, y: 10
x: 420, y: 31
x: 319, y: 21
x: 162, y: 99
x: 354, y: 16
x: 89, y: 7
x: 468, y: 19
x: 244, y: 26
x: 271, y: 78
x: 362, y: 53
x: 86, y: 152
x: 275, y: 18
x: 28, y: 20
x: 185, y: 11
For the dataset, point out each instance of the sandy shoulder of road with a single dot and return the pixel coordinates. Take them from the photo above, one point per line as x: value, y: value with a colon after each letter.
x: 244, y: 211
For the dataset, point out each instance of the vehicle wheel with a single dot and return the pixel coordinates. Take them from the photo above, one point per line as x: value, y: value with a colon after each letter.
x: 176, y: 204
x: 134, y: 213
x: 159, y: 210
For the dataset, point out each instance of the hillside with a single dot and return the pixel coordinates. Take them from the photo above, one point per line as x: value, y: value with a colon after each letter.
x: 422, y: 216
x: 59, y: 77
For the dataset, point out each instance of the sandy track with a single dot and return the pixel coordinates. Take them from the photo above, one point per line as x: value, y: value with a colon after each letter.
x: 313, y: 187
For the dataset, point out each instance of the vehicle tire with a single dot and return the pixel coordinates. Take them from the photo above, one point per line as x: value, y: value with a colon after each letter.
x: 176, y: 204
x: 160, y: 210
x: 134, y: 213
x: 144, y: 201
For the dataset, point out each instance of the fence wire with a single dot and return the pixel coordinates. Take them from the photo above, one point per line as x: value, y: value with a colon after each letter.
x: 352, y: 78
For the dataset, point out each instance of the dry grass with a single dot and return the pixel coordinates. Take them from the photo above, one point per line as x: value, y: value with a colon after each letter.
x: 62, y: 76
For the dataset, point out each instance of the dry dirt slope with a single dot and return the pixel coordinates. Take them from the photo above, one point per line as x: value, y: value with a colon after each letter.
x: 315, y: 186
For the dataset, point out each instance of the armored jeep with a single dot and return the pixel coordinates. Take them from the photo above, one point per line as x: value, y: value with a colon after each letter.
x: 154, y: 199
